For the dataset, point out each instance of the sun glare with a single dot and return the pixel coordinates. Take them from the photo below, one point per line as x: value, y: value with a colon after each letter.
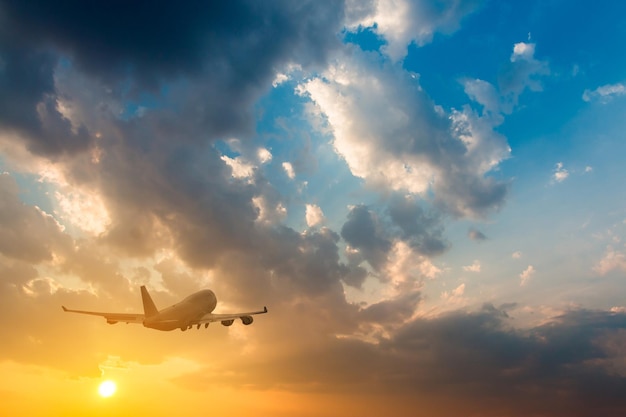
x: 107, y: 388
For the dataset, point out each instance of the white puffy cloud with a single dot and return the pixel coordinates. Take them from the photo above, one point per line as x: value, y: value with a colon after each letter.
x: 269, y: 213
x: 314, y: 215
x: 406, y: 270
x: 86, y: 210
x: 288, y: 167
x: 391, y: 134
x: 279, y: 79
x: 522, y: 50
x: 402, y: 22
x: 264, y: 155
x: 526, y: 275
x: 605, y: 93
x: 612, y: 260
x: 516, y: 255
x: 474, y: 267
x: 240, y: 168
x: 560, y: 173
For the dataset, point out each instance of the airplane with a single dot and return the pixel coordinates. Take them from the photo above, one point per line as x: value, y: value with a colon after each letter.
x: 194, y: 310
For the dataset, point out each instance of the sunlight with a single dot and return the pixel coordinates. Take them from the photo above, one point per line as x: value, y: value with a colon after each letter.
x: 107, y: 388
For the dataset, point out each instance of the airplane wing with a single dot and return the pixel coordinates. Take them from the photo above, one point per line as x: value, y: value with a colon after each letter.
x: 226, y: 318
x: 111, y: 318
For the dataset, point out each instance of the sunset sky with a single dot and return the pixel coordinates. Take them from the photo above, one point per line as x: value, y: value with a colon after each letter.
x: 429, y: 196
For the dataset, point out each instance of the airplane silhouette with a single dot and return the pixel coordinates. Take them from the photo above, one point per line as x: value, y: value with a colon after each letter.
x: 194, y: 310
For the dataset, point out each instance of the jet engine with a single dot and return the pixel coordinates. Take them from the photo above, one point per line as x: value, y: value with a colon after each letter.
x: 246, y: 320
x: 227, y: 322
x: 111, y: 321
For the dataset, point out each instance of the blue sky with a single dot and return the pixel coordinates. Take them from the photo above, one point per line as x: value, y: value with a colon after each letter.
x: 387, y: 172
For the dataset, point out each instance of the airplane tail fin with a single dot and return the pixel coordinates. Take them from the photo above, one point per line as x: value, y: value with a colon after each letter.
x: 149, y: 308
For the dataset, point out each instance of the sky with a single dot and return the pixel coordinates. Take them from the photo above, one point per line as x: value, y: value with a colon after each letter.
x: 428, y: 196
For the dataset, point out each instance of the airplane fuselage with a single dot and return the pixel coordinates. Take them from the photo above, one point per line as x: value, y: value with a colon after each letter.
x: 180, y: 315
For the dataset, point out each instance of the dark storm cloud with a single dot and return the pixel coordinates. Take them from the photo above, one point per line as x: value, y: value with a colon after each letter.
x: 25, y: 79
x: 309, y: 263
x: 568, y: 367
x: 27, y: 100
x: 154, y: 184
x: 403, y: 219
x: 422, y: 229
x: 164, y: 193
x: 161, y: 184
x: 364, y: 232
x: 394, y: 311
x: 151, y: 40
x: 222, y: 54
x: 549, y: 370
x: 356, y: 276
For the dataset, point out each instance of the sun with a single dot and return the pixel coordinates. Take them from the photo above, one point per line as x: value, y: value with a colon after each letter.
x: 107, y: 388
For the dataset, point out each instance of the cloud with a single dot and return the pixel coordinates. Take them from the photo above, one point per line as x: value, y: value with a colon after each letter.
x: 516, y: 255
x: 288, y: 167
x: 612, y: 260
x: 391, y: 312
x: 422, y: 229
x: 560, y: 173
x: 569, y: 366
x: 179, y: 214
x: 363, y: 231
x: 475, y: 234
x: 483, y: 93
x: 523, y: 51
x: 526, y: 275
x: 418, y: 148
x: 181, y: 55
x: 179, y: 211
x: 455, y: 297
x: 407, y: 270
x: 140, y: 45
x: 474, y: 267
x: 403, y: 235
x: 28, y: 105
x: 264, y: 155
x: 522, y: 72
x: 314, y: 215
x: 26, y: 232
x: 604, y: 93
x: 404, y: 22
x: 240, y: 168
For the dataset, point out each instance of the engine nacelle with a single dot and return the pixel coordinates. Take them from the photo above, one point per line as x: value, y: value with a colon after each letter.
x: 111, y: 321
x: 246, y: 320
x: 227, y: 322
